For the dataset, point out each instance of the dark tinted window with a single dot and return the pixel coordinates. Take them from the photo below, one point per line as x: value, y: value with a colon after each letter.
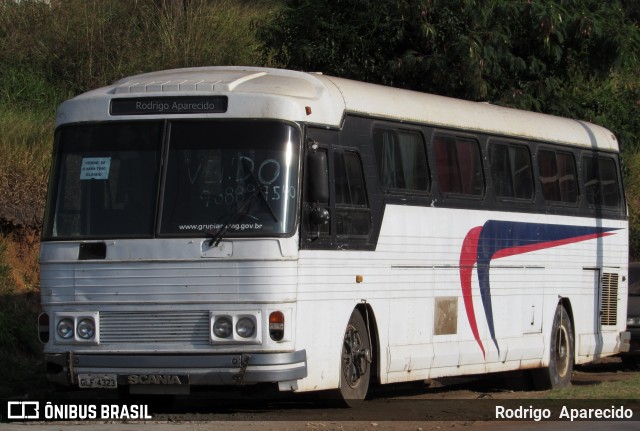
x: 105, y: 181
x: 558, y: 177
x: 402, y: 160
x: 242, y: 175
x: 353, y: 216
x: 511, y: 171
x: 601, y: 181
x: 350, y: 189
x: 459, y: 166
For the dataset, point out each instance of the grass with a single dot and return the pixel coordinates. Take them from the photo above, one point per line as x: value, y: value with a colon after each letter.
x: 25, y: 148
x: 612, y: 390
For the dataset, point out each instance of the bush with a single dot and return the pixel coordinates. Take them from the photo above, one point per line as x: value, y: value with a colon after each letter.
x: 632, y: 189
x: 76, y: 45
x: 25, y: 154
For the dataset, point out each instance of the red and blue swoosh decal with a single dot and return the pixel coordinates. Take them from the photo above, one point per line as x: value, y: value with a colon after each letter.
x: 496, y: 239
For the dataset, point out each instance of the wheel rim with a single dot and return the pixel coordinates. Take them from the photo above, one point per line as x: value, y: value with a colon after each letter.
x: 354, y: 357
x: 562, y: 351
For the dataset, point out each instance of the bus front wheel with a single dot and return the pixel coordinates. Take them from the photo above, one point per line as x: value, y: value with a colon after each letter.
x: 355, y: 366
x: 558, y: 373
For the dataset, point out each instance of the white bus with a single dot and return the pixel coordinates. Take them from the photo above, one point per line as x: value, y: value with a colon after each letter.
x: 236, y: 225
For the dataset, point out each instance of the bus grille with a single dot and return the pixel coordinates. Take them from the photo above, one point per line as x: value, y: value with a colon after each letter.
x: 154, y: 327
x: 609, y: 299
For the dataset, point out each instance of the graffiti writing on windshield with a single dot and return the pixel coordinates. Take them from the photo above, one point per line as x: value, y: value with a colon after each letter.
x: 232, y: 186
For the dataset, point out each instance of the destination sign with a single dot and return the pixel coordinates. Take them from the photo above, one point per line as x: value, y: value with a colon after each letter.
x: 169, y: 105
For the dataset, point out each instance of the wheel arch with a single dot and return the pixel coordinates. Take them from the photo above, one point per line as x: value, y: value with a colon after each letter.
x: 366, y: 310
x: 566, y: 304
x: 549, y: 376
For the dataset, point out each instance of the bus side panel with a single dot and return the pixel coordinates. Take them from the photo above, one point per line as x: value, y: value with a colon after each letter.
x: 427, y: 328
x: 327, y: 295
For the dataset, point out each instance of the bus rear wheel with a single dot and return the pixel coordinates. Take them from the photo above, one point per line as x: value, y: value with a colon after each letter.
x: 355, y: 366
x: 558, y: 373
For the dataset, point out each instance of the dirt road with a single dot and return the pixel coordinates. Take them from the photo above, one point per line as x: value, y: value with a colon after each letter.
x: 453, y: 403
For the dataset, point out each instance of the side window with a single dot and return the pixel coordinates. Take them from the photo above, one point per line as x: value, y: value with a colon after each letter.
x: 558, y: 176
x: 601, y: 182
x: 511, y: 171
x: 459, y: 166
x: 353, y: 216
x: 402, y: 160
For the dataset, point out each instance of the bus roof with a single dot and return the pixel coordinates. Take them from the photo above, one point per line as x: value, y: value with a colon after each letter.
x: 324, y: 100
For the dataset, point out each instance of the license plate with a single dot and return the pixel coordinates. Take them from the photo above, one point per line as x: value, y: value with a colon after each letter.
x: 108, y: 381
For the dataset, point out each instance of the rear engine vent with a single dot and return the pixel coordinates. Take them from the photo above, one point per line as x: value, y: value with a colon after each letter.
x: 609, y: 299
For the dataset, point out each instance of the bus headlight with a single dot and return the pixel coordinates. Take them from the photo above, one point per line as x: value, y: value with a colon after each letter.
x: 235, y: 327
x: 77, y: 327
x: 65, y: 328
x: 245, y: 327
x: 222, y: 327
x: 86, y: 329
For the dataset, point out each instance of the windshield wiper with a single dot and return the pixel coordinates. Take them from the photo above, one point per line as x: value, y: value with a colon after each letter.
x: 243, y: 210
x: 262, y: 195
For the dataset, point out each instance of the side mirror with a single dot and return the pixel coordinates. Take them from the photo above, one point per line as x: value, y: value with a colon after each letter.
x: 319, y: 216
x: 317, y: 177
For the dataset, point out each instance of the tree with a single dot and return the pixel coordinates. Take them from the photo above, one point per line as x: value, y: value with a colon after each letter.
x: 518, y: 53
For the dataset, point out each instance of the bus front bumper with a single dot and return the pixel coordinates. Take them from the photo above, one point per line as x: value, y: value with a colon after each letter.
x: 115, y: 370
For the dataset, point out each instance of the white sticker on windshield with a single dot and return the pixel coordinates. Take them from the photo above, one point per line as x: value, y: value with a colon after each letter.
x: 95, y: 168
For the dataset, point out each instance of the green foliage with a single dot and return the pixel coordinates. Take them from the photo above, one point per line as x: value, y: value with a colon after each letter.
x: 613, y: 102
x: 632, y: 190
x: 72, y: 46
x: 25, y: 155
x: 28, y: 89
x: 517, y: 53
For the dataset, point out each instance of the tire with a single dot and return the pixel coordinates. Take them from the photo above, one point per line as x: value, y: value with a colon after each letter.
x: 558, y: 373
x: 631, y: 362
x: 355, y: 360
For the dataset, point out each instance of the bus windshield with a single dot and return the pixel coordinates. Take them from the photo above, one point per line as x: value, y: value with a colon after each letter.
x: 239, y: 176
